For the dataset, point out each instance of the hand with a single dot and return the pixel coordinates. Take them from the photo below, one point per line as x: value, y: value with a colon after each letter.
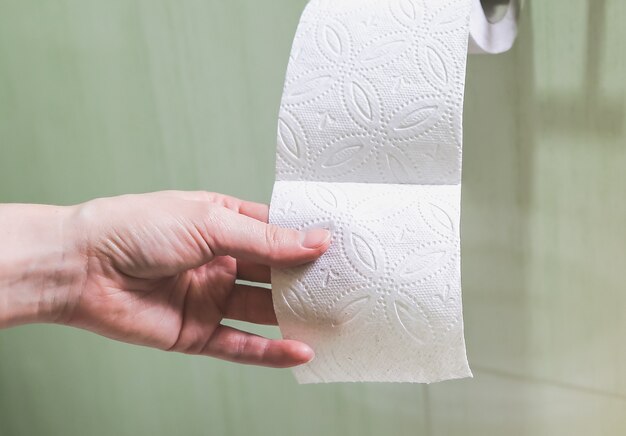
x: 160, y: 269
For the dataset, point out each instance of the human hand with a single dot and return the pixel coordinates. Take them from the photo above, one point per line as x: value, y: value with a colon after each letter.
x: 159, y: 270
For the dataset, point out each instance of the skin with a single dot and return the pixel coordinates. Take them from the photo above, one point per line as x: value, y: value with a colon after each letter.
x: 157, y: 270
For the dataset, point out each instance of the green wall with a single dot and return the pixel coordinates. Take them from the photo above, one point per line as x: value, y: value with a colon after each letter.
x: 113, y: 96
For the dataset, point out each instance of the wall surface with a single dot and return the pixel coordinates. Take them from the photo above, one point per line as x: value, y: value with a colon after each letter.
x: 106, y: 97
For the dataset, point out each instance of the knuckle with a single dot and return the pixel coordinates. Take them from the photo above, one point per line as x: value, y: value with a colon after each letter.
x: 218, y: 199
x: 277, y: 243
x: 239, y: 346
x: 209, y: 197
x: 273, y: 237
x: 212, y: 227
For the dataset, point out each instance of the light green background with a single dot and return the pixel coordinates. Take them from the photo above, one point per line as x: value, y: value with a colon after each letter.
x: 102, y: 97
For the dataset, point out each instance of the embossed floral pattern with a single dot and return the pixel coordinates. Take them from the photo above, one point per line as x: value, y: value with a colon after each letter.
x: 393, y: 265
x: 369, y: 147
x: 381, y: 91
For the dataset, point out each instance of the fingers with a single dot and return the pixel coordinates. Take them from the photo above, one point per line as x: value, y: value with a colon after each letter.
x: 228, y: 226
x: 236, y: 346
x: 258, y: 211
x: 253, y: 272
x: 232, y: 234
x: 251, y: 304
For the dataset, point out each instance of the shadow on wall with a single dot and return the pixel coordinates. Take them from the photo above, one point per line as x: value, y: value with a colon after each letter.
x: 589, y: 110
x: 507, y: 275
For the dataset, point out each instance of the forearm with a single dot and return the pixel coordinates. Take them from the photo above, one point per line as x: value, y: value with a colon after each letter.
x: 39, y: 265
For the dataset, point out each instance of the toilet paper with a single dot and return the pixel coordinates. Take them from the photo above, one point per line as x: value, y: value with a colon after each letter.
x: 369, y: 147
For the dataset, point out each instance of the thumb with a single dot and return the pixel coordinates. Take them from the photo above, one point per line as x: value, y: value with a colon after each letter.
x: 232, y: 234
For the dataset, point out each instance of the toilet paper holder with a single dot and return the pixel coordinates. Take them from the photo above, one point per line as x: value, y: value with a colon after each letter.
x: 493, y: 25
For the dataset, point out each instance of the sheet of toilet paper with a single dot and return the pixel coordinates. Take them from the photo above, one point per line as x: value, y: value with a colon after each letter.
x: 369, y: 147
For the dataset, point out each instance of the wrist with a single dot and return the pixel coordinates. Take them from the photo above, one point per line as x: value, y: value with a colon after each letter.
x: 41, y: 268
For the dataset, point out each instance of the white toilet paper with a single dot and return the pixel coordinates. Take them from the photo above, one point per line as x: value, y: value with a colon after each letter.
x: 369, y: 146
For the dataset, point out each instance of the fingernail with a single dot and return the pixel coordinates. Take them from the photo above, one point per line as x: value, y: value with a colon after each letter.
x: 308, y: 354
x: 304, y: 352
x: 315, y: 238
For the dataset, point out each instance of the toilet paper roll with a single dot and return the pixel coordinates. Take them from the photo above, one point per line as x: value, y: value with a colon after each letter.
x: 496, y: 31
x: 369, y: 147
